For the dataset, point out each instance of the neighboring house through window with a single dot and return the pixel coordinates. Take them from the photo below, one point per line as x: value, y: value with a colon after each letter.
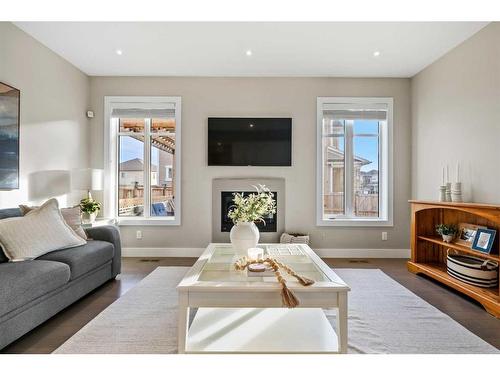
x: 168, y: 174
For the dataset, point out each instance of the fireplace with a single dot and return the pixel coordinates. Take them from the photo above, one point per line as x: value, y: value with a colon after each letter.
x: 222, y: 200
x: 226, y: 200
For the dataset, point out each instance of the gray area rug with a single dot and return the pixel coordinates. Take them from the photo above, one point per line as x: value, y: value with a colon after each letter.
x: 384, y: 317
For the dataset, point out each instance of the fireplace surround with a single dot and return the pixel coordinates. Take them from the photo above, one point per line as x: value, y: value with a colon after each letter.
x: 222, y: 190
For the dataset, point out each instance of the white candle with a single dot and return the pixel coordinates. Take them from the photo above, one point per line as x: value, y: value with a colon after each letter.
x: 443, y: 178
x: 458, y: 172
x: 255, y: 253
x: 447, y: 174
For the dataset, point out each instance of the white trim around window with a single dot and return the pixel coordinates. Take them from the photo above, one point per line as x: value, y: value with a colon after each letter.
x: 350, y: 107
x: 111, y: 157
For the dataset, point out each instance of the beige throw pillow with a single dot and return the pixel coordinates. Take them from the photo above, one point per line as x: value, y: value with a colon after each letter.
x: 71, y: 215
x: 39, y: 232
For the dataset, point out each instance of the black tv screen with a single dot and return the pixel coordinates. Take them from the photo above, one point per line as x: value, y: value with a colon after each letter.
x: 249, y: 141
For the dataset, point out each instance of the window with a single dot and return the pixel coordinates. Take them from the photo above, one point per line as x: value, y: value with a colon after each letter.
x: 354, y: 182
x: 143, y: 160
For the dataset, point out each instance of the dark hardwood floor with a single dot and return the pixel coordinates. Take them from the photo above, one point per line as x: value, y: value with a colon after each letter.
x: 50, y: 335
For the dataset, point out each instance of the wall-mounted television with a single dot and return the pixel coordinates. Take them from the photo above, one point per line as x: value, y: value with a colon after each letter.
x: 245, y: 141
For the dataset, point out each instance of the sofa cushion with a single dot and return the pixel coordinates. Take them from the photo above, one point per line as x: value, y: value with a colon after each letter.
x: 83, y: 259
x: 22, y: 282
x: 4, y: 214
x: 72, y: 217
x: 39, y: 232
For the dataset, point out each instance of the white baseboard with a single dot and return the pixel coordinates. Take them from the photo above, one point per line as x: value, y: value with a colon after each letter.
x: 195, y: 252
x: 363, y: 253
x: 190, y: 252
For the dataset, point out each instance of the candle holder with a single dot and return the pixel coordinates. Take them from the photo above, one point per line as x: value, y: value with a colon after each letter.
x: 442, y: 193
x: 456, y: 192
x: 255, y: 253
x: 448, y: 192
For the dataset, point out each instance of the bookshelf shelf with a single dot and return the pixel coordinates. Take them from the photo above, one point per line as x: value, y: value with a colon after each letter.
x: 461, y: 248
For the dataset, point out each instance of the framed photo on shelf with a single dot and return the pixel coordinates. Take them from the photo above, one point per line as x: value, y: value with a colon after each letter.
x: 483, y: 241
x: 467, y: 233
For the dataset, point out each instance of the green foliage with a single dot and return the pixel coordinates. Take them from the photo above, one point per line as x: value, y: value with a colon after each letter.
x: 253, y: 207
x: 446, y: 229
x: 89, y: 205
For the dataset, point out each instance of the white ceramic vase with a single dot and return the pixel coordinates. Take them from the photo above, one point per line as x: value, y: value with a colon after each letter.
x: 244, y: 236
x: 447, y: 238
x: 89, y: 218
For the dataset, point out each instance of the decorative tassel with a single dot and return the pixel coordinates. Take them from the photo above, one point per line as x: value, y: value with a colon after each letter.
x: 301, y: 279
x: 288, y: 298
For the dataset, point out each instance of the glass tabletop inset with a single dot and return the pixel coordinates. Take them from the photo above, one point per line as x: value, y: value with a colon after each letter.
x: 220, y: 266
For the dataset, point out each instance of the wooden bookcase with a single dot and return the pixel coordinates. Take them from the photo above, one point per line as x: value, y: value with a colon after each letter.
x: 428, y: 251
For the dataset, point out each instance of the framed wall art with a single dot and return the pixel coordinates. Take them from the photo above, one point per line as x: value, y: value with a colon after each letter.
x: 9, y: 137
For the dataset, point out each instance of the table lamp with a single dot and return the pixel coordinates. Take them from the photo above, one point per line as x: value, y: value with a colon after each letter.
x: 87, y: 179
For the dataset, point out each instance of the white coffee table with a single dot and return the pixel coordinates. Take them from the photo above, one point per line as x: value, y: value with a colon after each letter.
x: 244, y: 314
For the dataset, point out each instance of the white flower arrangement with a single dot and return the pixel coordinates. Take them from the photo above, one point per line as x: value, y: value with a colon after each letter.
x: 253, y: 207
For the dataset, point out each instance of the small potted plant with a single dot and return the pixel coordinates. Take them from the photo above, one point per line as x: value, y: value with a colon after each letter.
x: 447, y: 231
x: 244, y: 213
x: 90, y: 208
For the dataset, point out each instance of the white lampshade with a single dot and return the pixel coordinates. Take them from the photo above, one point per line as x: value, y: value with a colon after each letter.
x: 47, y: 184
x: 87, y: 179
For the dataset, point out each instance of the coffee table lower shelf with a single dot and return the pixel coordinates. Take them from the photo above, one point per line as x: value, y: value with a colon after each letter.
x: 257, y: 330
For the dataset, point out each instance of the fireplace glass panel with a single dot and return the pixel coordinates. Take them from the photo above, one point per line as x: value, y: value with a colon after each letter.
x: 270, y: 224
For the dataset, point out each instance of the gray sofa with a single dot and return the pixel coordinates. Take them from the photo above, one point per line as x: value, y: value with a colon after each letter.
x: 33, y: 291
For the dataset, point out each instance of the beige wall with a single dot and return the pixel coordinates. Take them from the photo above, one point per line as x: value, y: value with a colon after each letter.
x: 54, y: 99
x: 456, y: 118
x: 293, y: 97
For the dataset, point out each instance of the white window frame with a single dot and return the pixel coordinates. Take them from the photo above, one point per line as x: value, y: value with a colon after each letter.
x: 386, y: 188
x: 111, y: 158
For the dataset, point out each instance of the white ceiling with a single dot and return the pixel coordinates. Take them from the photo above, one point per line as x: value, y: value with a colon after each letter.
x: 341, y: 49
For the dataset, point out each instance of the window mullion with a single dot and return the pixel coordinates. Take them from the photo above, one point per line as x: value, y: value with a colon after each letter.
x: 147, y: 168
x: 115, y: 185
x: 349, y: 168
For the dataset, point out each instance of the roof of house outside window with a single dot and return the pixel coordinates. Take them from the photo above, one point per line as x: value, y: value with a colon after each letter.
x: 135, y: 165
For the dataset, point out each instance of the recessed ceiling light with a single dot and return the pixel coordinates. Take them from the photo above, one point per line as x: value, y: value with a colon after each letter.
x: 376, y: 53
x: 249, y: 52
x: 119, y: 52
